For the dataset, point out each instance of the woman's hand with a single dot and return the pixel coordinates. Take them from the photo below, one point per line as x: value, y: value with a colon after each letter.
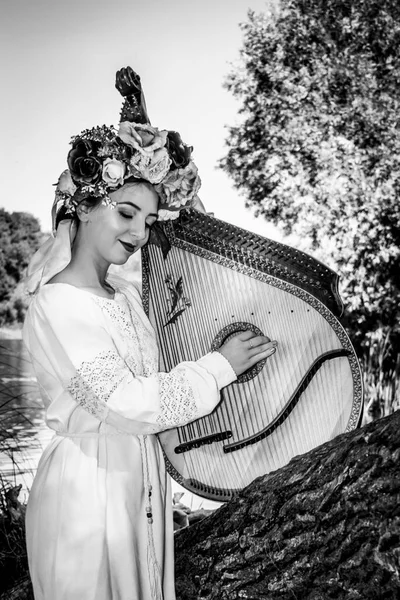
x: 246, y: 349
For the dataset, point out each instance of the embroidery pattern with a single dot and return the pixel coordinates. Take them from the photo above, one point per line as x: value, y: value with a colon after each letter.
x: 95, y: 382
x: 177, y: 400
x: 142, y: 357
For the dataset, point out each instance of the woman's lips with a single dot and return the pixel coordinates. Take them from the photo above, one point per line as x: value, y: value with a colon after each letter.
x: 128, y: 247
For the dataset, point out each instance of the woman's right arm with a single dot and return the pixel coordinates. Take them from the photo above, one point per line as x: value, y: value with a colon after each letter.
x: 69, y: 329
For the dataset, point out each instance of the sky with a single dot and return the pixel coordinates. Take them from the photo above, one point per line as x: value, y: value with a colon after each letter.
x: 58, y: 65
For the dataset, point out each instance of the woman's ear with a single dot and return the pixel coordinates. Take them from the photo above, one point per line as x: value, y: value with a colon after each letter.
x: 82, y: 212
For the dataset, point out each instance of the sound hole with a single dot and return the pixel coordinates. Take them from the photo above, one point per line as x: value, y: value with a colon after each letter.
x: 228, y: 332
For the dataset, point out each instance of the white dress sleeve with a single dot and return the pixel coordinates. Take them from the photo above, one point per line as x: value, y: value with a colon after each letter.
x: 66, y: 331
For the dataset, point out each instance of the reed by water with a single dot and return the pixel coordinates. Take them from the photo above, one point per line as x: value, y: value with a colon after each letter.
x: 20, y: 414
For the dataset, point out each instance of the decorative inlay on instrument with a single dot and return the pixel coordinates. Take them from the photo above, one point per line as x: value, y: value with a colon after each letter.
x: 216, y: 280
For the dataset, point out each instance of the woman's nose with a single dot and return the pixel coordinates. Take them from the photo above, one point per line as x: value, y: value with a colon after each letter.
x: 138, y: 230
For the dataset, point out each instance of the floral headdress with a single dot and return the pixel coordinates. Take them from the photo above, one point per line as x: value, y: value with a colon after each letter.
x: 102, y: 159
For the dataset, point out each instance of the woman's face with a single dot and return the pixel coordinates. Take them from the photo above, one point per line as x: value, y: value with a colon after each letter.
x: 114, y: 234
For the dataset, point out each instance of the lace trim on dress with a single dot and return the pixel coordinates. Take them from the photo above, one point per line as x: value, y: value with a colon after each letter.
x: 95, y: 382
x: 142, y: 347
x: 118, y: 315
x: 178, y: 404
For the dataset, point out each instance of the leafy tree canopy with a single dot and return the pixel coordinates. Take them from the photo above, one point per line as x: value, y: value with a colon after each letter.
x: 317, y: 147
x: 20, y: 237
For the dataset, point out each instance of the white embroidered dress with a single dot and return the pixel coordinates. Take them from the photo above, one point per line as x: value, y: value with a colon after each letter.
x: 99, y: 516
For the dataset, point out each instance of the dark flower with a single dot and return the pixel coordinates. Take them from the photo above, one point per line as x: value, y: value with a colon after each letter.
x: 178, y: 151
x: 83, y: 163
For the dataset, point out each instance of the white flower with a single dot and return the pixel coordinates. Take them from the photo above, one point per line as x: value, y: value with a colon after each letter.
x: 152, y: 167
x: 143, y: 138
x: 113, y: 172
x: 167, y: 215
x: 180, y: 186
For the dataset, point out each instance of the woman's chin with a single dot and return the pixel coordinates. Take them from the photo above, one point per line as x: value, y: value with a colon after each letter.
x: 121, y: 260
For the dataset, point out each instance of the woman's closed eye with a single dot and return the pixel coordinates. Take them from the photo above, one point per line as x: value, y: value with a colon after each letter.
x: 126, y: 215
x: 130, y: 215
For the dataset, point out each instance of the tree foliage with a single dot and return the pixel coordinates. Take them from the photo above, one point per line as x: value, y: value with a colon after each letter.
x: 317, y: 147
x: 20, y: 237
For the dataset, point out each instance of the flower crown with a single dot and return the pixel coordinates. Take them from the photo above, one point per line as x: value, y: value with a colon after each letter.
x: 102, y: 159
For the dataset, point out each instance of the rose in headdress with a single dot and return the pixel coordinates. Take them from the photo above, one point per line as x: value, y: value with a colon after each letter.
x: 83, y: 163
x: 143, y: 138
x: 152, y: 167
x: 179, y: 152
x: 150, y: 159
x: 113, y: 172
x: 180, y: 187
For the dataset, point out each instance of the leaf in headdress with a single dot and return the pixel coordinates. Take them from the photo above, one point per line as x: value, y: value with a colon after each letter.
x: 158, y: 238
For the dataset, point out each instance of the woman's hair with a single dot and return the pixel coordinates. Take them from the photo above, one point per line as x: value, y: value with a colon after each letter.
x: 134, y: 181
x: 65, y: 213
x: 93, y: 201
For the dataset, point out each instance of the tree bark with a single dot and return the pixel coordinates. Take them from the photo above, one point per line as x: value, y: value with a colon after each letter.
x: 325, y: 526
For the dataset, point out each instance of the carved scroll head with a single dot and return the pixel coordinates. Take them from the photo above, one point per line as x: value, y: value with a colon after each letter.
x: 129, y: 86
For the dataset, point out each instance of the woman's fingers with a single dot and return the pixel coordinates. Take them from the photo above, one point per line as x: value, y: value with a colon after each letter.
x: 259, y: 346
x: 263, y: 350
x: 251, y: 340
x: 256, y: 341
x: 246, y: 335
x: 245, y: 349
x: 262, y: 344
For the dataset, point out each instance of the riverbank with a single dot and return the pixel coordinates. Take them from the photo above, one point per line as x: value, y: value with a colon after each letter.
x: 11, y: 333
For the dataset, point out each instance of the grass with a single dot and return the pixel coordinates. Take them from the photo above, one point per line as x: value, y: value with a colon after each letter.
x: 13, y: 558
x: 16, y: 404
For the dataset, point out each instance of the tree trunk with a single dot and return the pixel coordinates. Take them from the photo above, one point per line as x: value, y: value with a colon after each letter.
x: 325, y: 526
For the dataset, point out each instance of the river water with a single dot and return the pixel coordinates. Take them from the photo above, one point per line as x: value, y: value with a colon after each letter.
x: 23, y: 432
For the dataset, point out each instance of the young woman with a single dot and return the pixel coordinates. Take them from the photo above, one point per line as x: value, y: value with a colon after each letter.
x: 99, y: 516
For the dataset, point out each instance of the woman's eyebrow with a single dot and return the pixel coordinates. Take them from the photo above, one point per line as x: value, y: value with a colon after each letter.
x: 138, y: 208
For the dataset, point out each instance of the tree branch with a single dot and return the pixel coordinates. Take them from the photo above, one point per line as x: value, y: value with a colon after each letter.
x: 325, y: 526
